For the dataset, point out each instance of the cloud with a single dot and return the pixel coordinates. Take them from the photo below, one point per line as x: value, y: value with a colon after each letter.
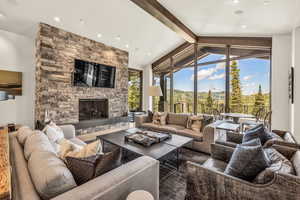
x: 217, y: 76
x: 246, y: 78
x: 204, y: 73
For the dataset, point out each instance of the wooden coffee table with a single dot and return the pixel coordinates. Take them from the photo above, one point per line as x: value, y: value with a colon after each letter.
x: 156, y: 151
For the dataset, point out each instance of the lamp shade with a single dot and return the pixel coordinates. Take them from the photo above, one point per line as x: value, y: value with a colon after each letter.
x: 3, y: 96
x: 155, y: 91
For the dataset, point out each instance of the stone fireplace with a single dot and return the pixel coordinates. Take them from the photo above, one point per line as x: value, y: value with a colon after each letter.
x: 93, y: 109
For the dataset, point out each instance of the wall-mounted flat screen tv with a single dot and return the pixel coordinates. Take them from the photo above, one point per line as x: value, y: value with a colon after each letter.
x: 11, y: 82
x: 89, y: 74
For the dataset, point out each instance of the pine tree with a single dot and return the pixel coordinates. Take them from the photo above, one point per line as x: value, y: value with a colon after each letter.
x: 209, y: 102
x: 236, y: 93
x: 133, y: 93
x: 259, y: 101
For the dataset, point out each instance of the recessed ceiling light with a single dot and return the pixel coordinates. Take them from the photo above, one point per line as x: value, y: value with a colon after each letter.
x: 238, y: 12
x: 236, y: 1
x: 244, y: 26
x: 149, y: 54
x: 99, y: 35
x: 267, y: 2
x: 57, y: 19
x: 2, y: 15
x: 127, y: 46
x: 118, y: 38
x: 82, y: 21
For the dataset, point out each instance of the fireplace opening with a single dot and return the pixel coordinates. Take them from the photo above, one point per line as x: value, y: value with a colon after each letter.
x: 91, y: 109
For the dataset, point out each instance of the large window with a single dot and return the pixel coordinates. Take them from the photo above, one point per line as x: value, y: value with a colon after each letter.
x: 250, y: 85
x: 155, y: 100
x: 134, y: 90
x: 183, y: 90
x: 211, y: 85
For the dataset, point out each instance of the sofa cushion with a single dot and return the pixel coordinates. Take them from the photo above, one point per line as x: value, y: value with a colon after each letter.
x: 174, y: 127
x: 37, y: 142
x: 49, y: 174
x: 77, y: 141
x: 216, y: 165
x: 296, y: 162
x: 177, y: 119
x: 247, y: 161
x: 289, y: 138
x: 23, y: 133
x: 197, y: 136
x: 258, y: 131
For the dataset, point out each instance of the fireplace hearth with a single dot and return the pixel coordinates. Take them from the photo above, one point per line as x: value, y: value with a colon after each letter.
x: 93, y: 109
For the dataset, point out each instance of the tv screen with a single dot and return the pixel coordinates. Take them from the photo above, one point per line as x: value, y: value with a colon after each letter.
x: 88, y: 74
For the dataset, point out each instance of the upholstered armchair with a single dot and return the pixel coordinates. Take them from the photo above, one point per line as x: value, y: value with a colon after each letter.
x: 208, y: 181
x: 284, y: 138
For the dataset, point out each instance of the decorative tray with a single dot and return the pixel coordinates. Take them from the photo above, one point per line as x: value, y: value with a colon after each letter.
x: 147, y: 138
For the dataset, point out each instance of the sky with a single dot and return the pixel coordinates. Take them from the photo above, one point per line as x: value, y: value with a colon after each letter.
x: 253, y: 72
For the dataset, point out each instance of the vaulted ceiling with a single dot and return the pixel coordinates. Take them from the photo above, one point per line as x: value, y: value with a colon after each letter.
x: 122, y: 24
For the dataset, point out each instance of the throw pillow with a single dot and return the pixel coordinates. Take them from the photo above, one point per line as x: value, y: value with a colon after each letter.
x: 195, y: 123
x: 160, y: 118
x: 66, y: 146
x: 247, y: 161
x: 86, y: 151
x: 23, y: 133
x: 85, y: 169
x: 278, y: 163
x: 258, y: 131
x: 207, y: 119
x: 150, y: 115
x: 54, y: 133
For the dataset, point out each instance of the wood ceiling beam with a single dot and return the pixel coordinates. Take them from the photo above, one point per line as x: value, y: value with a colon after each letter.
x: 154, y: 8
x: 239, y: 41
x: 171, y: 54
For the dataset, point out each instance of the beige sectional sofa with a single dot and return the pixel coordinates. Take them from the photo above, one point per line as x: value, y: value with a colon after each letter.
x: 177, y: 124
x: 32, y: 176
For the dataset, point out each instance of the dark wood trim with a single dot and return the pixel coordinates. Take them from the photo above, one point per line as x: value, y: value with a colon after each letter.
x: 195, y: 78
x: 171, y: 87
x: 227, y: 79
x: 154, y: 8
x: 240, y: 41
x: 171, y: 54
x: 162, y: 98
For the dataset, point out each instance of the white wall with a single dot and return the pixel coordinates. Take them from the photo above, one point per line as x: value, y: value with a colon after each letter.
x: 17, y: 54
x: 296, y: 63
x: 281, y: 63
x: 147, y: 81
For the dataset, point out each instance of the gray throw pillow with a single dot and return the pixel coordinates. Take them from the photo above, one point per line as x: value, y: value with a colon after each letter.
x: 258, y: 131
x: 247, y: 161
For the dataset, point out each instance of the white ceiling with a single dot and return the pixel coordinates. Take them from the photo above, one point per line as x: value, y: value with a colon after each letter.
x: 147, y: 38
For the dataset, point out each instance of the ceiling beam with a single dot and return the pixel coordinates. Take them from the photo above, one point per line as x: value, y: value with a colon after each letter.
x: 171, y: 54
x: 154, y: 8
x: 239, y: 41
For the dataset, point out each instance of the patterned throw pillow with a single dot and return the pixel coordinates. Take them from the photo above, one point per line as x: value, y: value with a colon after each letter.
x: 258, y: 131
x: 85, y: 169
x: 160, y: 118
x: 54, y: 133
x: 247, y: 161
x: 195, y: 123
x: 88, y: 150
x: 278, y: 163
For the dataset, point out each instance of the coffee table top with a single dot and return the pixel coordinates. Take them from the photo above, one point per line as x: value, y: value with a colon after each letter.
x: 228, y: 126
x: 155, y: 151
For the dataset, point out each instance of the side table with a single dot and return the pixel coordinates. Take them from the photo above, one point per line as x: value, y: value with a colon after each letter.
x: 140, y: 195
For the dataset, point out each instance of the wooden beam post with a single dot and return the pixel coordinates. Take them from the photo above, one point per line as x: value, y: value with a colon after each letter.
x: 171, y: 86
x: 227, y: 79
x: 161, y: 103
x: 154, y: 8
x: 195, y: 78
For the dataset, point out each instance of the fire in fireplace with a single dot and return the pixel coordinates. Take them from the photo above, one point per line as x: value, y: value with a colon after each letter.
x: 91, y: 109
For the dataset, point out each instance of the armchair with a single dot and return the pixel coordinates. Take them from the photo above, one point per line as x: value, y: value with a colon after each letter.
x: 208, y: 181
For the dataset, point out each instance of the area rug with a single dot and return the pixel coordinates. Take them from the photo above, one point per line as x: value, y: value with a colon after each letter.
x: 172, y: 184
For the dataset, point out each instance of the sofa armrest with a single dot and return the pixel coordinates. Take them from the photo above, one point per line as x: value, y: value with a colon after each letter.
x: 69, y: 131
x: 140, y: 119
x: 281, y: 143
x: 139, y: 174
x: 206, y: 184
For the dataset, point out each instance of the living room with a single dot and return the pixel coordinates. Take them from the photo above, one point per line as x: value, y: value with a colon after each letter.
x: 138, y: 99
